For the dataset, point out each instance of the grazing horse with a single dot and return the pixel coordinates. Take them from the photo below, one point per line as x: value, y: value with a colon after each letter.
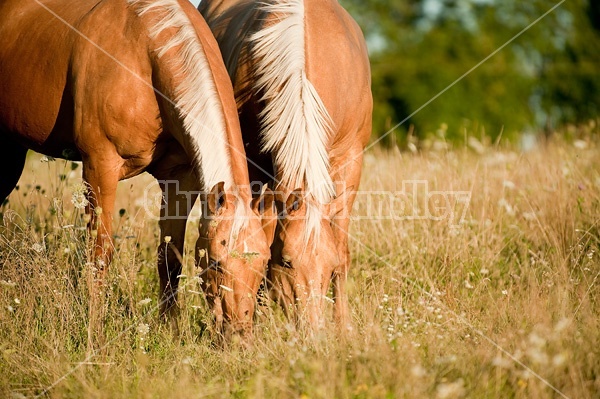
x: 301, y: 76
x: 127, y: 86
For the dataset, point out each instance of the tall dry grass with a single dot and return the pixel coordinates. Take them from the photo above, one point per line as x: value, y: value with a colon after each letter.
x: 502, y: 302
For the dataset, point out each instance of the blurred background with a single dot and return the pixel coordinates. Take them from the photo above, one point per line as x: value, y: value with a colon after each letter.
x: 544, y: 79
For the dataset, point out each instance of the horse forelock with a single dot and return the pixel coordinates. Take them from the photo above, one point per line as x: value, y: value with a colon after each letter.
x: 296, y: 126
x: 196, y: 97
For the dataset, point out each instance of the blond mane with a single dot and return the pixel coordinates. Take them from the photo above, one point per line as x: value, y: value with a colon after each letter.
x: 196, y: 95
x: 296, y: 126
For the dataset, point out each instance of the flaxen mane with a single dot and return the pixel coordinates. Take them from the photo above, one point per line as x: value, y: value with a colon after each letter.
x: 196, y: 97
x: 295, y: 124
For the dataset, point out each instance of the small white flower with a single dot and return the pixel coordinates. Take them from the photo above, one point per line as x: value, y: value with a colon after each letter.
x: 503, y: 203
x: 508, y: 185
x: 10, y: 308
x: 529, y: 216
x: 143, y: 329
x: 501, y: 362
x: 559, y: 360
x: 580, y: 144
x: 8, y: 283
x: 167, y: 239
x: 454, y: 389
x: 418, y: 371
x: 37, y: 247
x: 504, y: 292
x: 144, y: 302
x: 17, y: 301
x: 78, y: 198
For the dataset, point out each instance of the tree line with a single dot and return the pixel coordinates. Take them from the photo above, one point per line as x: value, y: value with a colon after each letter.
x: 542, y: 73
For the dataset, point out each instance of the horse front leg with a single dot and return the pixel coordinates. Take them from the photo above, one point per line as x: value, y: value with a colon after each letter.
x: 179, y: 187
x: 102, y: 174
x: 346, y: 174
x: 101, y: 171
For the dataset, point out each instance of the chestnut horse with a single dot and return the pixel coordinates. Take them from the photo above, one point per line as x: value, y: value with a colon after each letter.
x: 301, y: 75
x: 126, y: 87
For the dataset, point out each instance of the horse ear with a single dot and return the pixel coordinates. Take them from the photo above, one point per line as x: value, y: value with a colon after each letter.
x: 217, y: 199
x: 338, y: 204
x: 264, y: 207
x: 294, y: 202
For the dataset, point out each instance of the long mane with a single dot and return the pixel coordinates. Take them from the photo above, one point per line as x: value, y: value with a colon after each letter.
x: 196, y: 97
x: 295, y: 125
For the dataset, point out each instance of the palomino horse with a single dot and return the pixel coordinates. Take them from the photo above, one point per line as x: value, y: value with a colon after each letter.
x: 127, y: 87
x: 302, y: 81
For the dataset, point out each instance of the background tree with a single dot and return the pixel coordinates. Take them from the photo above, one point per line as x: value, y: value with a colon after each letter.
x: 546, y: 77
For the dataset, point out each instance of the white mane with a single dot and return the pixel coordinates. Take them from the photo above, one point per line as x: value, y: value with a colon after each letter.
x: 196, y: 96
x: 295, y: 123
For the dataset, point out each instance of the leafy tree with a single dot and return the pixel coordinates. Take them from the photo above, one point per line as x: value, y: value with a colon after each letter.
x: 546, y: 76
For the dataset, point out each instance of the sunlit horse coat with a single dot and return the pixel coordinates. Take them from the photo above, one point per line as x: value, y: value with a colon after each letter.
x: 126, y: 87
x: 302, y: 81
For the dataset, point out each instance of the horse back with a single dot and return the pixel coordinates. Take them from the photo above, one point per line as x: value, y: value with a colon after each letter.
x: 337, y: 64
x: 60, y: 62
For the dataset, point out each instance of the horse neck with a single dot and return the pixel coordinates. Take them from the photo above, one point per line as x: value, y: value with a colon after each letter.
x: 296, y: 126
x: 189, y: 71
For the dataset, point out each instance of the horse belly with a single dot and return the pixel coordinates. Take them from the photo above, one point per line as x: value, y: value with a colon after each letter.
x: 34, y: 101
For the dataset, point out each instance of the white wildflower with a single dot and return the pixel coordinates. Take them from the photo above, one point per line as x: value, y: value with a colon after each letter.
x: 509, y: 185
x: 418, y: 371
x: 37, y: 247
x: 559, y: 360
x: 529, y: 216
x: 79, y: 198
x: 501, y: 362
x: 454, y: 389
x: 503, y: 203
x: 144, y: 302
x: 580, y: 144
x: 143, y: 329
x: 7, y: 283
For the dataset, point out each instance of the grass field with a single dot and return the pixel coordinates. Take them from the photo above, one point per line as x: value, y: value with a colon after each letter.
x: 475, y: 274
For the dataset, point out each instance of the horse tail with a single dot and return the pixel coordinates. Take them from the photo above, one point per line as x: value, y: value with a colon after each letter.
x: 296, y: 126
x: 200, y: 110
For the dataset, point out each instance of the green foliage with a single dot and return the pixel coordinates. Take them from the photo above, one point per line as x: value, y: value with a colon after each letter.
x: 545, y: 77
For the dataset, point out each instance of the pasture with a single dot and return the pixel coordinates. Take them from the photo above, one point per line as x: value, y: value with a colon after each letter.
x: 474, y: 274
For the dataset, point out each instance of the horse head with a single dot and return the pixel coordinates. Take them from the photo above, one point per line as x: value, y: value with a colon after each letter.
x: 233, y: 253
x: 304, y: 256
